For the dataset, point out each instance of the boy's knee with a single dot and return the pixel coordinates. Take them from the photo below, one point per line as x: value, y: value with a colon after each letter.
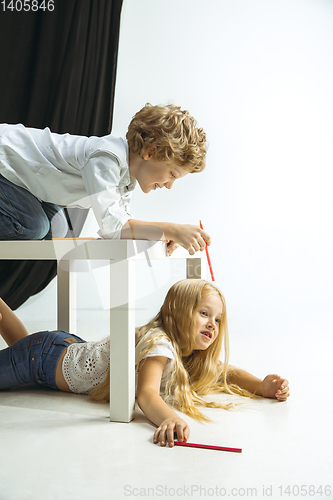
x: 27, y: 226
x: 39, y: 229
x: 58, y: 225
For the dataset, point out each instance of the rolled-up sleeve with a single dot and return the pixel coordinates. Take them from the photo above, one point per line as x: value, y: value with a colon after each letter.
x: 109, y: 198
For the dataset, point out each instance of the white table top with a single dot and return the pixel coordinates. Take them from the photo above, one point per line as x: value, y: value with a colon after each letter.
x: 79, y: 249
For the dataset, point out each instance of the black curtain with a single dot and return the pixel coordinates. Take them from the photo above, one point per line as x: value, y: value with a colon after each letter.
x: 58, y: 70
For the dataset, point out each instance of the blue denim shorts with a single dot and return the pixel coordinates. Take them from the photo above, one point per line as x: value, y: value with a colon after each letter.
x: 34, y: 359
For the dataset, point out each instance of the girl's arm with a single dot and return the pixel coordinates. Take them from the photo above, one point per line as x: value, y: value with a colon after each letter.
x: 273, y: 386
x: 244, y: 380
x: 191, y: 237
x: 11, y: 328
x: 153, y: 406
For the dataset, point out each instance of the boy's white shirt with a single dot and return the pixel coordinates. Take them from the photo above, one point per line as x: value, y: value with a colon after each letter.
x: 71, y: 170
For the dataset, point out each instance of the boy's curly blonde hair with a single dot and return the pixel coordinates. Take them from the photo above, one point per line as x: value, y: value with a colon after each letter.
x: 168, y: 134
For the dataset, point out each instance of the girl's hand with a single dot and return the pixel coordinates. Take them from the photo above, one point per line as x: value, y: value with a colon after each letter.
x: 192, y: 238
x: 165, y: 432
x: 274, y: 386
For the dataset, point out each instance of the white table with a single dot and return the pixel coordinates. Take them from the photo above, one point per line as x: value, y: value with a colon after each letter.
x: 122, y: 255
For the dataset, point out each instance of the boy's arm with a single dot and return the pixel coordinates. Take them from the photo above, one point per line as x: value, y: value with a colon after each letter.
x: 191, y: 237
x: 153, y: 406
x: 101, y: 178
x: 11, y: 328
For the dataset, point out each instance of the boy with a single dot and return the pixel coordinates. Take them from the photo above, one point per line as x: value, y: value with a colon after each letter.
x: 41, y: 171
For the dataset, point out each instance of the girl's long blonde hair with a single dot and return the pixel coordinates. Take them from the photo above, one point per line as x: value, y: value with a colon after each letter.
x: 196, y: 373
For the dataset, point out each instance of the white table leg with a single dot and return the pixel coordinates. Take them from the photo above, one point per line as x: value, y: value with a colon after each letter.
x: 66, y: 291
x: 122, y: 340
x: 195, y: 268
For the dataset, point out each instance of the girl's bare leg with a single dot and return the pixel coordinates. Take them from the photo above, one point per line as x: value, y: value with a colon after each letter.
x: 11, y: 328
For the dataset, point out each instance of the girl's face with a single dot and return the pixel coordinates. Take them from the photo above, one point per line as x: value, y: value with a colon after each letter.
x: 207, y: 321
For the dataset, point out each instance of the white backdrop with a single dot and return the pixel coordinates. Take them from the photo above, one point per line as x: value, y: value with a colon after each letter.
x: 258, y: 76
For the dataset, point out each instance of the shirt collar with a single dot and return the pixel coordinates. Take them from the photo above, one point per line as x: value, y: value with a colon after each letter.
x: 127, y: 180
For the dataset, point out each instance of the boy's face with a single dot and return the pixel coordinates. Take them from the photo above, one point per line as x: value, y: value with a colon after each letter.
x: 152, y: 174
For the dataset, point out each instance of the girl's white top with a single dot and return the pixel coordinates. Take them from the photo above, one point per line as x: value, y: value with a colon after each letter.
x: 85, y: 364
x: 163, y: 347
x: 71, y: 170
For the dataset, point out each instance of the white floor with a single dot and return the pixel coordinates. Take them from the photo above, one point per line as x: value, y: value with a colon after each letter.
x: 59, y: 446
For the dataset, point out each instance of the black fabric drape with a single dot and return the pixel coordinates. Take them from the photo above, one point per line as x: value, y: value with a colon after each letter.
x: 58, y: 70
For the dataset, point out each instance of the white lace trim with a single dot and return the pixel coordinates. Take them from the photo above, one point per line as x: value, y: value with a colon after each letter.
x: 85, y: 365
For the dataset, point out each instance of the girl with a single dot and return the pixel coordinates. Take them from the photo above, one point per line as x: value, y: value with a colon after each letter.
x: 177, y: 360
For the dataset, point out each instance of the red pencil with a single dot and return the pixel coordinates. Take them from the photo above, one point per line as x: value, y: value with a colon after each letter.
x: 208, y: 258
x: 208, y: 447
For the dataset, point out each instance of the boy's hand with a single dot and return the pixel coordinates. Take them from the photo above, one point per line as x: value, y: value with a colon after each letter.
x: 171, y: 247
x: 192, y: 238
x: 165, y: 432
x: 274, y: 386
